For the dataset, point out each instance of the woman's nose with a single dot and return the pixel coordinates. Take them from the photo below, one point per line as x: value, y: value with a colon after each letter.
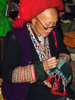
x: 52, y: 24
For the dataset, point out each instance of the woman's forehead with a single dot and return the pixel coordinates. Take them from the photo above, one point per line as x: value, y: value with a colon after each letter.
x: 50, y: 13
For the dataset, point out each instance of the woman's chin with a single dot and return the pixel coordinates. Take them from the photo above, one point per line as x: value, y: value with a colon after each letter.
x: 45, y: 34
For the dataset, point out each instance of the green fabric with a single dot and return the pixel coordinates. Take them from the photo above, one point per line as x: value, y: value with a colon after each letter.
x: 5, y: 24
x: 3, y: 4
x: 39, y: 71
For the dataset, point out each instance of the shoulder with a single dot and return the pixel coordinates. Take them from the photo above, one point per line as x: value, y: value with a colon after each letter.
x: 54, y: 34
x: 17, y: 31
x: 20, y: 33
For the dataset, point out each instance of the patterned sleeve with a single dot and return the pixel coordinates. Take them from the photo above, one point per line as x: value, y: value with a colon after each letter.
x: 11, y: 63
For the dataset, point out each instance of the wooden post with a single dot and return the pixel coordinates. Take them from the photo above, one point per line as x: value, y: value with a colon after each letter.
x: 2, y: 40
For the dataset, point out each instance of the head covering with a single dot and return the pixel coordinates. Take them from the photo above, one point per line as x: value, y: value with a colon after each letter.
x: 28, y: 9
x: 31, y: 8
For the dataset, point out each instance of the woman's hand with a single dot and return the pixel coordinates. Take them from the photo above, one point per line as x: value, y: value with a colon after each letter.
x: 50, y: 63
x: 64, y: 56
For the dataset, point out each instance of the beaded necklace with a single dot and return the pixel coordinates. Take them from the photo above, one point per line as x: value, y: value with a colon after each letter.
x: 43, y: 51
x: 42, y: 42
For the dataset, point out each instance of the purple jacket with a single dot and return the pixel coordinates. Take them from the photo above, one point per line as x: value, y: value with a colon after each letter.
x: 19, y: 91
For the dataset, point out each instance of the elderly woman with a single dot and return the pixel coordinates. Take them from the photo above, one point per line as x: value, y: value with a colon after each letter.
x: 35, y: 56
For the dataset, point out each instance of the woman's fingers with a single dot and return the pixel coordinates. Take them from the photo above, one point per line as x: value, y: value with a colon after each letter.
x: 50, y: 63
x: 53, y: 62
x: 51, y: 59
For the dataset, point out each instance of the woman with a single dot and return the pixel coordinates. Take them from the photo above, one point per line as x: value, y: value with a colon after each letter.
x: 32, y: 51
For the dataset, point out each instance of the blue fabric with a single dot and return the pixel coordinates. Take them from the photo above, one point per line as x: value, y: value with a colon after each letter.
x: 64, y: 70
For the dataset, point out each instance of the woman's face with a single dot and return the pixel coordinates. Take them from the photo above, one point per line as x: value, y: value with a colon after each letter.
x: 45, y: 22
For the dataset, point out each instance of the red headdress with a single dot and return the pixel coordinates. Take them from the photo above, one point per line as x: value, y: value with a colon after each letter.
x: 31, y: 8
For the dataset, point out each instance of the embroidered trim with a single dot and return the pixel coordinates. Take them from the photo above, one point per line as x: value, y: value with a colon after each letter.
x: 37, y: 46
x: 22, y: 74
x: 33, y: 72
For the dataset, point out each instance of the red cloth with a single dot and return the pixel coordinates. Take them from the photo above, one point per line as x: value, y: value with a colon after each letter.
x: 31, y: 8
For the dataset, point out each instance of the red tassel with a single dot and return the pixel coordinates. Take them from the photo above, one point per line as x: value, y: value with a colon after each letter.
x: 18, y: 23
x: 49, y: 79
x: 54, y: 90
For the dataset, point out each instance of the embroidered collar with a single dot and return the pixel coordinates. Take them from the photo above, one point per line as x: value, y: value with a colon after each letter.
x: 38, y: 47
